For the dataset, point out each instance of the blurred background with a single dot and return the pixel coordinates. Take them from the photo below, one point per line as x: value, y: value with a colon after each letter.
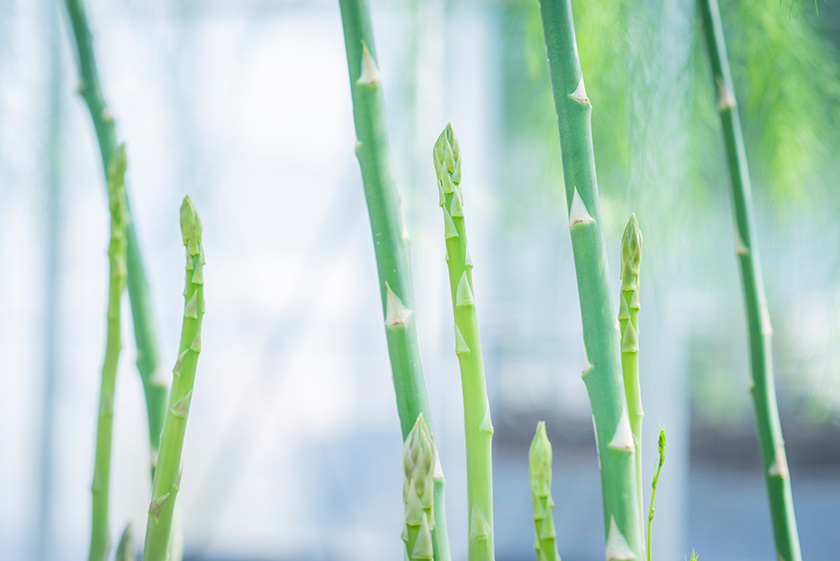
x: 293, y: 447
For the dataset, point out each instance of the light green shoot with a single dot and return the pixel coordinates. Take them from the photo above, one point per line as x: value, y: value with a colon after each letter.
x: 663, y: 448
x: 419, y: 459
x: 100, y: 535
x: 693, y: 556
x: 125, y: 549
x: 478, y: 426
x: 168, y: 474
x: 539, y: 463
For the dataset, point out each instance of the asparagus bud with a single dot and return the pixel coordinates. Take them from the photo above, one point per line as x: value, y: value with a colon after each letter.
x: 418, y: 491
x: 539, y: 462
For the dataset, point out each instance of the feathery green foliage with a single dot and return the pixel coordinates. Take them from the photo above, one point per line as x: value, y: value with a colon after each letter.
x: 663, y: 449
x: 100, y: 539
x: 390, y: 236
x: 762, y: 386
x: 478, y: 426
x: 167, y: 480
x: 539, y: 464
x: 602, y: 374
x: 419, y: 458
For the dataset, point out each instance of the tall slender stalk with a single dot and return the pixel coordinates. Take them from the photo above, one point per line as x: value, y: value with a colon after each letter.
x: 154, y: 385
x: 390, y: 237
x: 168, y: 473
x: 762, y: 386
x: 478, y: 426
x: 602, y: 373
x: 539, y: 464
x: 663, y: 450
x: 628, y: 318
x: 100, y: 539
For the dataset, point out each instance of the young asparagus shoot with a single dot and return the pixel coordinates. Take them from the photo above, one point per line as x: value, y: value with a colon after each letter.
x: 663, y: 449
x: 167, y: 480
x: 628, y: 318
x: 762, y: 385
x: 623, y: 520
x: 419, y: 453
x: 478, y: 426
x: 391, y: 246
x: 125, y: 549
x: 539, y: 463
x: 100, y: 541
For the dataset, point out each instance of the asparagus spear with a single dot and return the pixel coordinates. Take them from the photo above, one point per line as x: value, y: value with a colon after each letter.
x: 602, y: 373
x: 418, y: 491
x: 762, y: 385
x: 154, y: 386
x: 628, y: 317
x: 167, y: 480
x: 539, y: 462
x: 390, y: 237
x: 100, y: 541
x: 478, y: 426
x: 125, y: 549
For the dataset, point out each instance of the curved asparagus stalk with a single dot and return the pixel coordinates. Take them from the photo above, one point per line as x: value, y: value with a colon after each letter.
x: 154, y: 386
x: 100, y: 540
x: 628, y: 317
x: 762, y: 386
x: 602, y: 375
x: 418, y: 492
x: 663, y: 449
x: 168, y: 474
x: 478, y: 426
x: 390, y: 236
x: 539, y: 462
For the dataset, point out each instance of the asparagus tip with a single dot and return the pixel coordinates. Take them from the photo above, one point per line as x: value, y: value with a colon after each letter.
x: 539, y: 461
x: 190, y: 224
x: 631, y: 250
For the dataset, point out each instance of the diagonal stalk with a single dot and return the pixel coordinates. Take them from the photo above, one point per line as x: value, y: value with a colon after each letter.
x: 154, y: 386
x: 390, y: 236
x: 478, y: 426
x: 762, y: 385
x: 100, y: 538
x: 602, y: 374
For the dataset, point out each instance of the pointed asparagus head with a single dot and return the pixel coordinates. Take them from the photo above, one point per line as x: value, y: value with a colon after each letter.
x: 631, y: 254
x: 447, y: 155
x: 116, y: 184
x: 125, y: 550
x: 190, y: 226
x: 539, y: 462
x: 419, y: 459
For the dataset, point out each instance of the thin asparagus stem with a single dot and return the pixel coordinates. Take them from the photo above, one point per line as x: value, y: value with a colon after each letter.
x: 602, y: 374
x: 663, y: 449
x: 628, y: 317
x: 168, y: 474
x: 100, y: 540
x: 390, y: 237
x: 418, y: 492
x: 478, y: 426
x: 539, y: 462
x: 154, y: 386
x: 762, y: 385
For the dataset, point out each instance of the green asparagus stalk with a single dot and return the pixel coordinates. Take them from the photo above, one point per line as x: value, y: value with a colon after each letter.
x: 100, y: 541
x: 762, y: 386
x: 390, y: 237
x: 154, y: 385
x: 602, y: 373
x: 167, y: 480
x: 628, y: 318
x: 539, y: 462
x: 663, y: 449
x: 125, y: 549
x: 418, y: 492
x: 478, y: 426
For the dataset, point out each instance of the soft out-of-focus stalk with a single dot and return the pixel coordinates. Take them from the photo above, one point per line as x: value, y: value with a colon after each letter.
x: 763, y: 385
x: 167, y: 480
x: 100, y: 539
x: 539, y: 463
x: 602, y: 373
x: 125, y: 549
x: 390, y: 237
x: 418, y: 492
x: 663, y: 449
x: 478, y: 426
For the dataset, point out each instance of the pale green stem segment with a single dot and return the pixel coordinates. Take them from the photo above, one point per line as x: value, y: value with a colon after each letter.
x: 125, y: 549
x: 628, y: 318
x: 391, y: 241
x: 539, y: 463
x: 419, y: 456
x: 762, y: 386
x: 623, y: 524
x: 478, y: 426
x: 154, y: 386
x: 100, y: 541
x: 167, y: 480
x: 663, y: 449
